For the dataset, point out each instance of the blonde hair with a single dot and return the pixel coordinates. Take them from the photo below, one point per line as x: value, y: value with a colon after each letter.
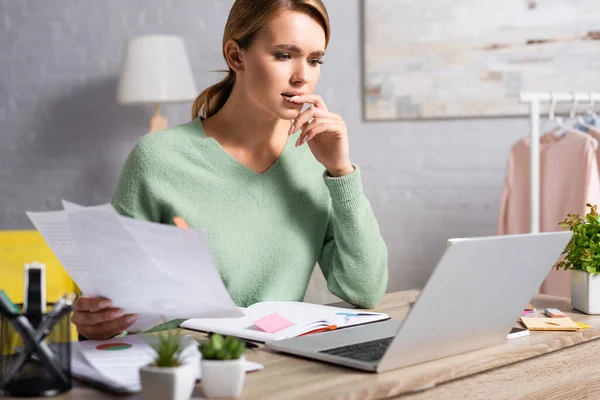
x: 245, y: 20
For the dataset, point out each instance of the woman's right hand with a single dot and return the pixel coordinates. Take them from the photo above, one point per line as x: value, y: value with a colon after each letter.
x: 96, y: 319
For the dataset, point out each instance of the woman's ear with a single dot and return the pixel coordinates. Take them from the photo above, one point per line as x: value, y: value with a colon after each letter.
x: 234, y: 56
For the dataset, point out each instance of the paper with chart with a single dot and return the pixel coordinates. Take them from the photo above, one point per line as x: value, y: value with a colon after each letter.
x: 158, y: 271
x: 116, y: 362
x: 119, y: 361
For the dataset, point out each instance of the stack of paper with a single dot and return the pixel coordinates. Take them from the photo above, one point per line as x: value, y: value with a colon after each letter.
x: 114, y: 364
x: 158, y: 271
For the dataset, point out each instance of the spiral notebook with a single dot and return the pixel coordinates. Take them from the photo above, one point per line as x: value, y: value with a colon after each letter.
x: 277, y: 320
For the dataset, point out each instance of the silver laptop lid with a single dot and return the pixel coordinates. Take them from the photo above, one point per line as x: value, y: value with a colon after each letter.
x: 474, y: 296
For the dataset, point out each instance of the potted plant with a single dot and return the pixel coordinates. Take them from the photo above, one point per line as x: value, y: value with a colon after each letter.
x: 168, y: 378
x: 222, y: 366
x: 582, y: 256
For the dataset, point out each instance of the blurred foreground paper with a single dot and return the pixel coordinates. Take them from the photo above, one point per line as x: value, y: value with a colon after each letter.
x: 158, y: 271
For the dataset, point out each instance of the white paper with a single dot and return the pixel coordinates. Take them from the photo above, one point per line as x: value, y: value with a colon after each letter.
x: 120, y: 368
x: 158, y: 271
x: 69, y: 206
x: 81, y: 369
x: 144, y: 321
x: 54, y: 228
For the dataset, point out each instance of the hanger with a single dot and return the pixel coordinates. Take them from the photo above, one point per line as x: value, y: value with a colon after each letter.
x: 569, y: 125
x: 558, y: 130
x: 589, y: 112
x: 552, y: 118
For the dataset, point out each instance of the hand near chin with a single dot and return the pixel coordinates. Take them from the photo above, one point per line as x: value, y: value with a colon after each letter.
x: 325, y: 134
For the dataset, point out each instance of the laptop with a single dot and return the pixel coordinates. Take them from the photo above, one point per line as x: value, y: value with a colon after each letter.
x: 472, y: 299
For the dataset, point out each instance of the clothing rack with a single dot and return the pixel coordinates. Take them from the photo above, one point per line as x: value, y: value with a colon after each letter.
x: 535, y: 99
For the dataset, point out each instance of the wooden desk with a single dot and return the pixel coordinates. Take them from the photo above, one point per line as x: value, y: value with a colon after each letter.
x: 510, y: 370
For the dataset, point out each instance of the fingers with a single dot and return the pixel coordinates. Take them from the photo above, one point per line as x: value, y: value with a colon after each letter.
x: 317, y: 126
x: 305, y: 116
x: 86, y: 303
x: 303, y: 128
x: 94, y: 318
x: 107, y: 329
x: 315, y: 99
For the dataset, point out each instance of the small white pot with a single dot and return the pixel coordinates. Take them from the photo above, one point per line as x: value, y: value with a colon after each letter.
x: 223, y: 378
x: 162, y: 383
x: 585, y: 292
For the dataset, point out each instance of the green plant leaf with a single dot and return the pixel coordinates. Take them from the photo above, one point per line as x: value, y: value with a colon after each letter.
x: 168, y: 347
x: 582, y: 251
x: 222, y: 348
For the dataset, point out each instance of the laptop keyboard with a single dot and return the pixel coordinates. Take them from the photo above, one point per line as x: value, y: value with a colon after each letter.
x: 365, y: 351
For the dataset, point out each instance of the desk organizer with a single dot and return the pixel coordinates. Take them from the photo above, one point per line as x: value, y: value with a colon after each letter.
x: 35, y: 352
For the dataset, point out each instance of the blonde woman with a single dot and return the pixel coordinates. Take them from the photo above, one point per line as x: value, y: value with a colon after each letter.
x: 272, y: 186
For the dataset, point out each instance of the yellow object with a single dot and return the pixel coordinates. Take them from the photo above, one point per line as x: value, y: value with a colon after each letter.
x: 550, y: 324
x: 19, y: 247
x: 582, y: 325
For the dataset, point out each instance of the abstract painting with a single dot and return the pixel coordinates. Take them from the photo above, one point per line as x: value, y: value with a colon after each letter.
x: 471, y: 58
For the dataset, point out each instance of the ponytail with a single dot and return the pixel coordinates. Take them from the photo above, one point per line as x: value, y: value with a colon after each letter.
x: 247, y: 18
x: 213, y: 98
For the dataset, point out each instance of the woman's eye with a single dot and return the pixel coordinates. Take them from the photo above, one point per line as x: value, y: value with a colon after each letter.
x: 316, y: 61
x: 281, y: 56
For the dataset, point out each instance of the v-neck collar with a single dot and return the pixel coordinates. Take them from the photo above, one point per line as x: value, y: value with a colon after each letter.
x: 260, y: 185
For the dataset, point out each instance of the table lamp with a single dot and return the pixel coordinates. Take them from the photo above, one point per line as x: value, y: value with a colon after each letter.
x: 156, y: 70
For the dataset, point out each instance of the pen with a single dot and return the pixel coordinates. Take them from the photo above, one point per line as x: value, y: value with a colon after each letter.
x: 28, y: 334
x: 42, y: 331
x: 7, y: 305
x: 347, y: 314
x: 328, y: 328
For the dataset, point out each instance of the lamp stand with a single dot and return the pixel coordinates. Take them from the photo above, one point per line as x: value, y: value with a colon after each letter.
x: 158, y: 121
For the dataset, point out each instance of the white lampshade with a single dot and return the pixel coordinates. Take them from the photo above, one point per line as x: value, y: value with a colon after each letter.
x: 156, y: 69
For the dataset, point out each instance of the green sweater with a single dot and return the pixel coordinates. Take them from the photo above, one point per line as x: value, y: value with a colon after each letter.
x: 267, y: 231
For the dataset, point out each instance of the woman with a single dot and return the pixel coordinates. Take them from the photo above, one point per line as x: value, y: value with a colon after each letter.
x: 273, y: 199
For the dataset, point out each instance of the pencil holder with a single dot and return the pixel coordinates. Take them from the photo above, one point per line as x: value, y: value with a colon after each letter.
x: 35, y: 357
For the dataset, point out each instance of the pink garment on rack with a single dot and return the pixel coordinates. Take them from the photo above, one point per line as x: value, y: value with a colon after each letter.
x: 595, y: 133
x: 569, y: 179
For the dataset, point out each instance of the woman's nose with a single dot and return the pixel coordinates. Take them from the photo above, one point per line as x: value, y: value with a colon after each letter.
x: 300, y: 75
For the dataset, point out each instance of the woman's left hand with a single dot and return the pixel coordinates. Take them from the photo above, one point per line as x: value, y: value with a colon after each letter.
x: 326, y: 135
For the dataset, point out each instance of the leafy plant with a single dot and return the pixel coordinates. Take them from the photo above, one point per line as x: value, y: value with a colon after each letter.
x: 168, y: 347
x: 583, y: 250
x: 222, y: 348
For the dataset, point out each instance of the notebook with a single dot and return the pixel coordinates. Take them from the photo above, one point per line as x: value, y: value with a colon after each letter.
x: 113, y: 365
x: 277, y: 320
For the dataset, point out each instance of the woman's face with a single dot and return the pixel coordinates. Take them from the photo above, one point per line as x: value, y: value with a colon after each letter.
x: 283, y: 61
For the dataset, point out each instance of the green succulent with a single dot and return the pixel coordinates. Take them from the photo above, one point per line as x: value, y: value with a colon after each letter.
x: 168, y: 347
x: 222, y: 348
x: 583, y: 250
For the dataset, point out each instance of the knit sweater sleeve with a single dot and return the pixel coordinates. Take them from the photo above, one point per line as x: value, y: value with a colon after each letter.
x: 354, y: 256
x: 133, y: 194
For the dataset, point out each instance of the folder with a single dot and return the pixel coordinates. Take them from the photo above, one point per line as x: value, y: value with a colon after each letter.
x: 303, y: 318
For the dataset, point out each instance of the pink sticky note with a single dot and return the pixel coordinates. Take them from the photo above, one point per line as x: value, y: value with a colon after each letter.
x: 272, y: 323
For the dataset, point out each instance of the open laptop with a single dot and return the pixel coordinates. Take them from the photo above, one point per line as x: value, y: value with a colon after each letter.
x: 472, y: 300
